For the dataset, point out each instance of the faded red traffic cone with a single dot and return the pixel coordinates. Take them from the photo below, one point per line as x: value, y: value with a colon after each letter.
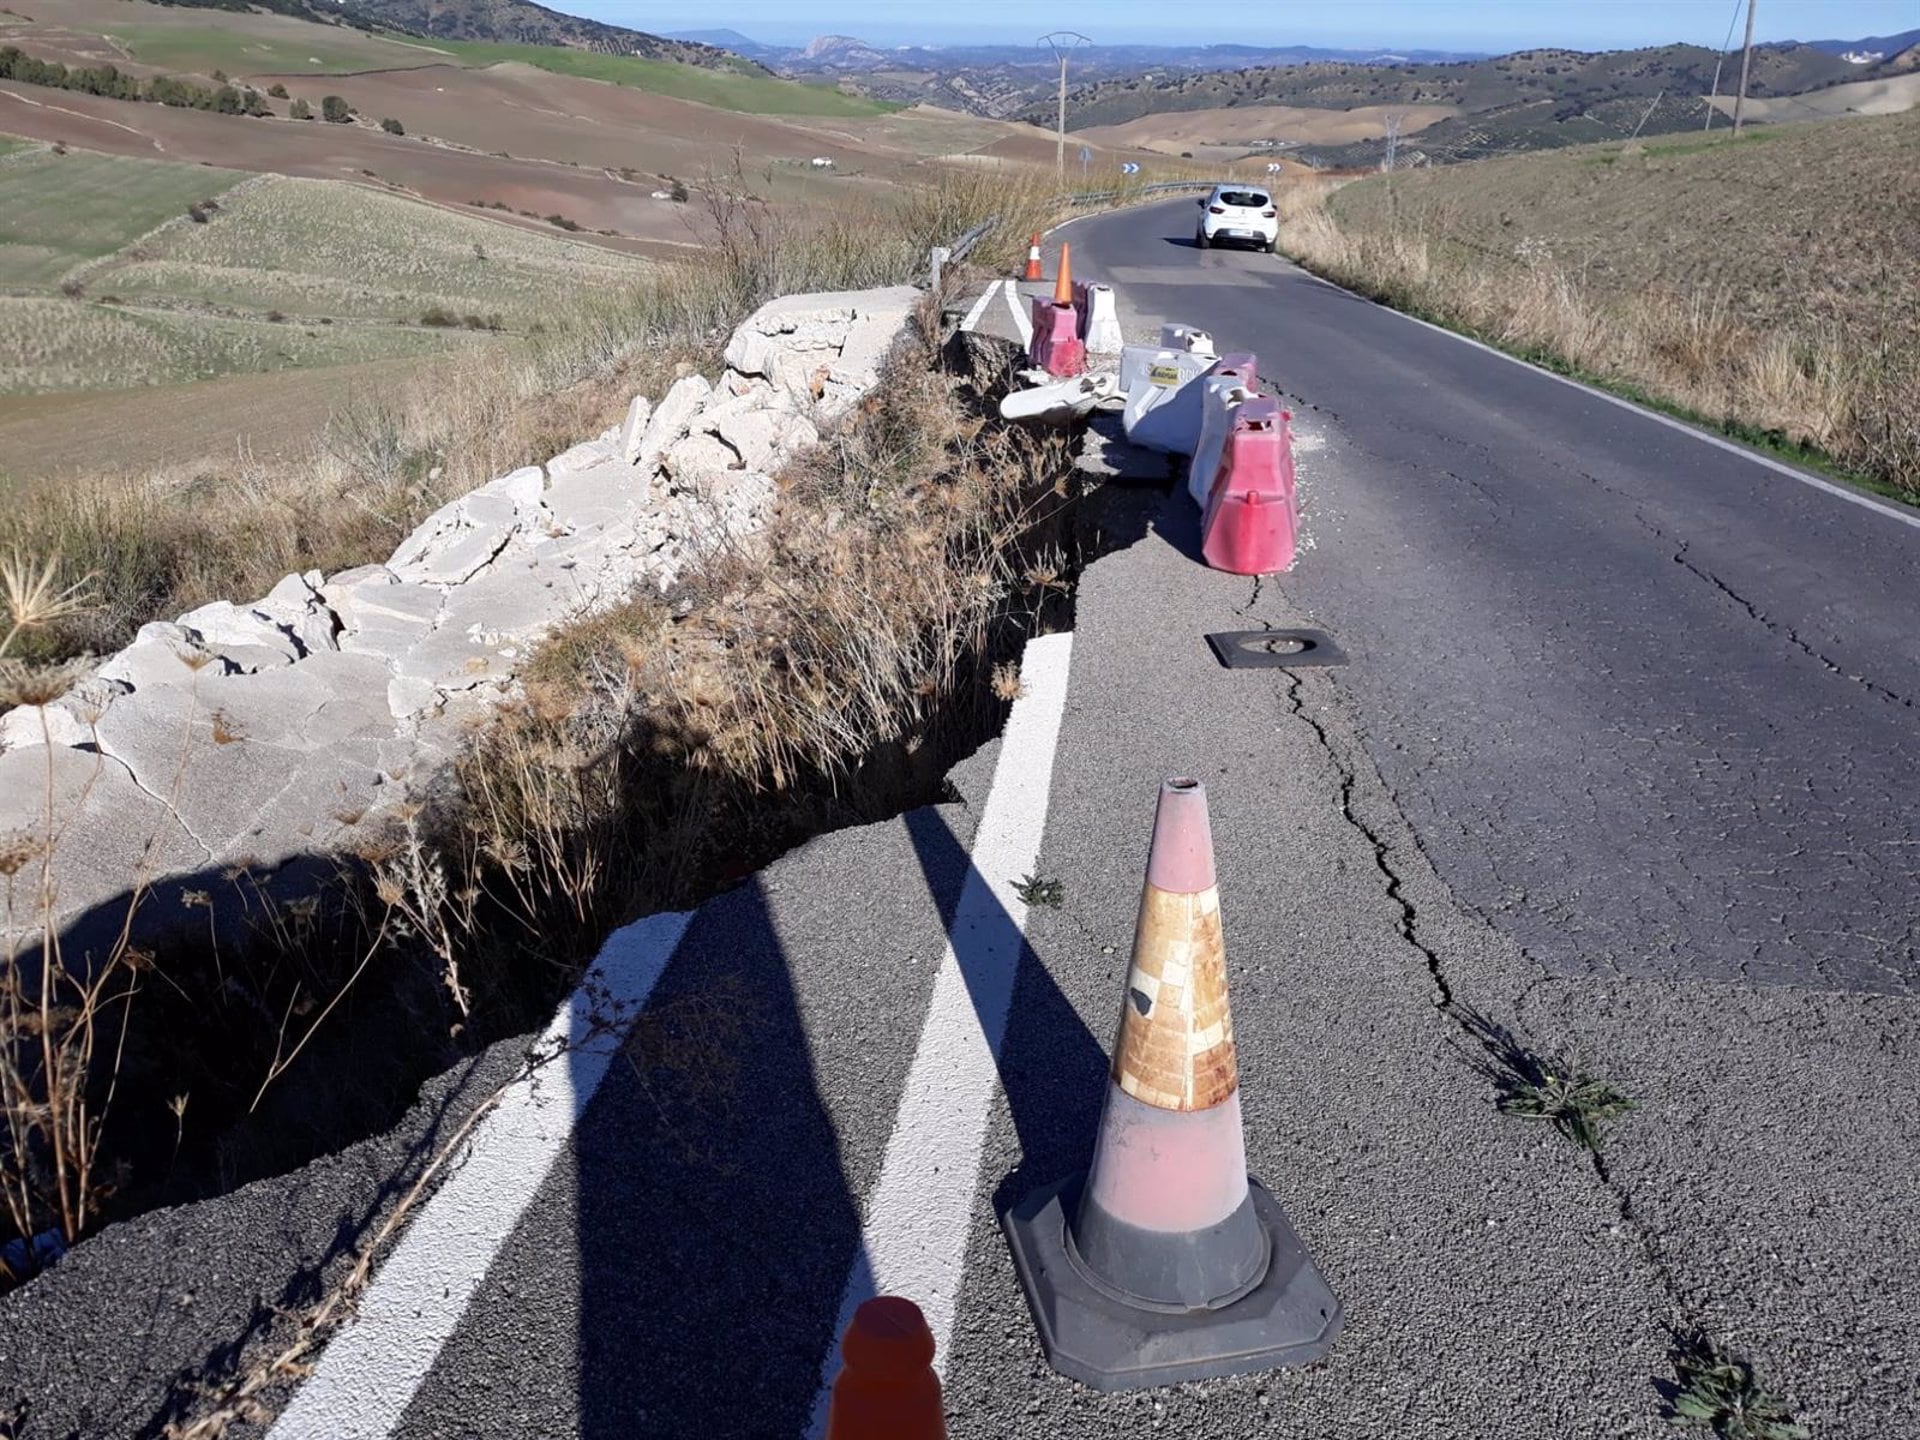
x: 1063, y: 282
x: 1033, y: 258
x: 886, y: 1389
x: 1165, y: 1262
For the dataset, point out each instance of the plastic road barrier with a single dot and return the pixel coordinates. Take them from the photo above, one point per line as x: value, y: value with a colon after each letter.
x: 1253, y: 510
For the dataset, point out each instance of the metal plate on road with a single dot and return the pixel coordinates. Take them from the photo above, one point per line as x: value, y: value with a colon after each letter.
x: 1275, y: 649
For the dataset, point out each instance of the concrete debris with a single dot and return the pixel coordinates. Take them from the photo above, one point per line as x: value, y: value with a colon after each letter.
x: 253, y: 734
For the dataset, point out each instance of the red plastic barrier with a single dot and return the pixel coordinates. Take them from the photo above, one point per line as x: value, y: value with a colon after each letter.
x: 1057, y: 347
x: 1253, y: 513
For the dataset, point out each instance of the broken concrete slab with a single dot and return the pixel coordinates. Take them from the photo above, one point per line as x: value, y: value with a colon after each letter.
x: 601, y: 495
x: 163, y: 653
x: 583, y: 456
x: 671, y: 417
x: 699, y: 455
x: 633, y: 429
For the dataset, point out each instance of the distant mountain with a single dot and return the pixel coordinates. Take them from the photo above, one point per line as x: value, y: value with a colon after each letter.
x: 731, y: 40
x: 523, y: 22
x: 1005, y: 79
x: 1872, y: 49
x: 1531, y: 100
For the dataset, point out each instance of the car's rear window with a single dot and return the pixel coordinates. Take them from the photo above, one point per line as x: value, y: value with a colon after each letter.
x: 1242, y: 197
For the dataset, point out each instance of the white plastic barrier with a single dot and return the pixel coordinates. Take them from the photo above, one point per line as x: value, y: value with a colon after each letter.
x: 1103, y: 335
x: 1186, y: 337
x: 1060, y: 402
x: 1228, y: 384
x: 1163, y: 400
x: 1220, y: 396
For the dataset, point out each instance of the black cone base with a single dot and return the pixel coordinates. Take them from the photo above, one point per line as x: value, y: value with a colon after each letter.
x: 1289, y: 1318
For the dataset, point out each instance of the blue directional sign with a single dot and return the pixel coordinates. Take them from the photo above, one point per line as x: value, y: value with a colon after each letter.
x: 1129, y: 168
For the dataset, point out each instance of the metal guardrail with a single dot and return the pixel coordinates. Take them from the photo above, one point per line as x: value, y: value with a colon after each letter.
x: 963, y: 247
x: 1094, y: 197
x: 945, y: 255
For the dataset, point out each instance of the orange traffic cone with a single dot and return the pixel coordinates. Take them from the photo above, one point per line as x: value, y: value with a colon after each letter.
x: 1063, y: 284
x: 1166, y: 1262
x: 886, y: 1390
x: 1033, y: 257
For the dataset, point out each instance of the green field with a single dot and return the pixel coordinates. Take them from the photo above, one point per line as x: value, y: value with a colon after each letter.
x: 58, y: 344
x: 319, y: 247
x: 238, y: 50
x: 750, y: 94
x: 8, y: 144
x: 57, y: 211
x: 285, y: 273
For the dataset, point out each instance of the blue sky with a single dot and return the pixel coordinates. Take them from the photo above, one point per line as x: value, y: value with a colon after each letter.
x: 1430, y: 24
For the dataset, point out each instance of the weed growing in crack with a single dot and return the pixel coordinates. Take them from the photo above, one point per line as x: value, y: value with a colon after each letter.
x: 1718, y: 1391
x: 1545, y: 1087
x: 1035, y: 890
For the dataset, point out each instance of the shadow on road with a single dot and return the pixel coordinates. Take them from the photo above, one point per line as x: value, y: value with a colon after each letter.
x: 715, y: 1223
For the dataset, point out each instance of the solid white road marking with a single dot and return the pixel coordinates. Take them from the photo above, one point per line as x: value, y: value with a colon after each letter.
x: 914, y: 1241
x: 372, y: 1368
x: 980, y: 305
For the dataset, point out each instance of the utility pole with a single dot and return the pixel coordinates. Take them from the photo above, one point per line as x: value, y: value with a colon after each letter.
x: 1746, y: 60
x: 1393, y: 119
x: 1063, y: 43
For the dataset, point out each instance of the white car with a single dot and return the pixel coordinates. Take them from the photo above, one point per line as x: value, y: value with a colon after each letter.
x: 1238, y: 212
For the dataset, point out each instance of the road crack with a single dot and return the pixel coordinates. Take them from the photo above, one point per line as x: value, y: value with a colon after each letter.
x: 1787, y: 632
x: 1472, y: 1027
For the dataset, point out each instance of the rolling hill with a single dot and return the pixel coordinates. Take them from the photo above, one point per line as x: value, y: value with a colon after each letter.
x: 525, y: 23
x: 1535, y: 99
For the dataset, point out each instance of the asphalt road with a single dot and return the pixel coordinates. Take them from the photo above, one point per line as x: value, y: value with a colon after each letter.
x: 1648, y: 704
x: 1567, y: 782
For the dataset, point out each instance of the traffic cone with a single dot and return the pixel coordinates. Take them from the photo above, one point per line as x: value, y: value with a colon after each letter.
x: 1063, y: 283
x: 1166, y: 1262
x: 1033, y: 258
x: 886, y: 1389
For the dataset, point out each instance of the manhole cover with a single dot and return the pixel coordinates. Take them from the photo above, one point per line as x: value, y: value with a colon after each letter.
x: 1277, y: 649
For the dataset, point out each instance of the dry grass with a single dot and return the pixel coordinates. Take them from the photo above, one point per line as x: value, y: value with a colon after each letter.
x: 1754, y: 285
x: 163, y: 542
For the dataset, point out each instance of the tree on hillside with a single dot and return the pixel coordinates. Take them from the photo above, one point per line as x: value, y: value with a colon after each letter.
x: 335, y: 110
x: 277, y: 90
x: 300, y: 110
x: 393, y: 126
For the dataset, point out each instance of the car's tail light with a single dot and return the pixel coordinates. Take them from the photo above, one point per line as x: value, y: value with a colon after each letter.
x: 1215, y: 210
x: 1269, y: 214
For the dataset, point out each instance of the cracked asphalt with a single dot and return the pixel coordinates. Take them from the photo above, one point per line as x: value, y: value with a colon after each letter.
x: 1609, y: 771
x: 1646, y: 702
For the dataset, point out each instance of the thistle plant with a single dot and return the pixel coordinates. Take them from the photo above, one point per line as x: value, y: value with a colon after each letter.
x: 1719, y: 1392
x: 1034, y: 890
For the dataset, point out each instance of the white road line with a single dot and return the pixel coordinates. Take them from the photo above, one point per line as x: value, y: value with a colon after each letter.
x: 1844, y: 492
x: 371, y: 1370
x: 914, y: 1241
x: 980, y: 305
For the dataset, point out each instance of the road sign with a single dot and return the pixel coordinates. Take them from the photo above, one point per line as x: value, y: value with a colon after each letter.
x: 1273, y: 167
x: 1085, y: 155
x: 1129, y: 168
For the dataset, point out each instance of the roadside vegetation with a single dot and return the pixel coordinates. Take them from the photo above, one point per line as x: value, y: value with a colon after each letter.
x: 1769, y: 288
x: 794, y: 679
